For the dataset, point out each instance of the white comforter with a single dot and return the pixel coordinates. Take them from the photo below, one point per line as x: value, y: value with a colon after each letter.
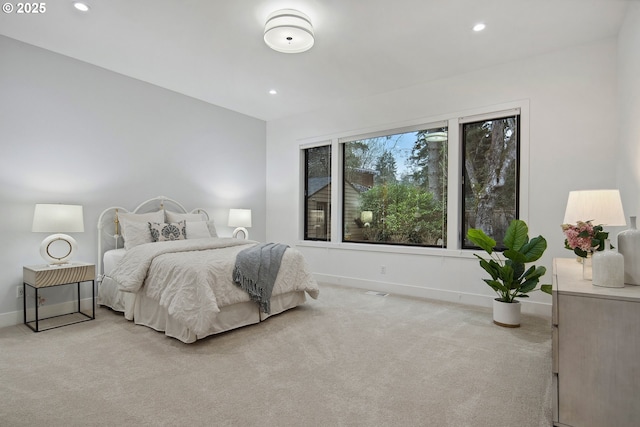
x: 193, y: 279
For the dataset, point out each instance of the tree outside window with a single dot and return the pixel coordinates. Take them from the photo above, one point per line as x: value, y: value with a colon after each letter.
x: 491, y: 150
x: 395, y: 187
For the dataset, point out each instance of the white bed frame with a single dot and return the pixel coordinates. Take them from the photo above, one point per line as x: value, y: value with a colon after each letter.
x: 109, y: 236
x: 145, y: 311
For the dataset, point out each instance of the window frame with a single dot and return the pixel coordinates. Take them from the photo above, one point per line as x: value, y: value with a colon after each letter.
x: 305, y: 190
x: 462, y: 204
x: 453, y: 118
x: 384, y: 133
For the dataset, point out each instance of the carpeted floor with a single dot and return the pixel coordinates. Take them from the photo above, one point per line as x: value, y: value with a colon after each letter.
x: 347, y: 359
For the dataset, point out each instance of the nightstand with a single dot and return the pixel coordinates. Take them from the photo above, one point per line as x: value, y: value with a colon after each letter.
x: 595, y: 347
x: 36, y: 277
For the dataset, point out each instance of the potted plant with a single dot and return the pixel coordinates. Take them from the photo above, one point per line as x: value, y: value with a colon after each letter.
x: 509, y: 278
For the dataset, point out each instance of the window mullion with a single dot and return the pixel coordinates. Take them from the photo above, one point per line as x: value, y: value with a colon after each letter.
x: 454, y: 189
x: 336, y: 193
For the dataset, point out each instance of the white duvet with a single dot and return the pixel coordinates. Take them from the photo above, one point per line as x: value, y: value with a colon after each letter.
x: 193, y: 279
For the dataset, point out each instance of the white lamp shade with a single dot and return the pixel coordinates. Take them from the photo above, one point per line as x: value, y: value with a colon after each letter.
x: 602, y: 207
x: 366, y: 216
x: 54, y: 218
x: 239, y: 218
x: 49, y: 218
x: 288, y: 31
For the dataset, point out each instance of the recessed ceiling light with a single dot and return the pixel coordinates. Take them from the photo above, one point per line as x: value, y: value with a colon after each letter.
x: 479, y: 27
x: 82, y: 7
x: 273, y: 92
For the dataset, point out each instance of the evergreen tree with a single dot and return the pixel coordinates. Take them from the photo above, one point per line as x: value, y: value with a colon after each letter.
x: 386, y: 168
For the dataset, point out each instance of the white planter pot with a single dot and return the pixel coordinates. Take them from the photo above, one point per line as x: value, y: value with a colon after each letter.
x: 506, y: 314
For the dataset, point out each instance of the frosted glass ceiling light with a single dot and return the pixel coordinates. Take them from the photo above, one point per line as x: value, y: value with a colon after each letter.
x: 288, y: 31
x: 437, y: 137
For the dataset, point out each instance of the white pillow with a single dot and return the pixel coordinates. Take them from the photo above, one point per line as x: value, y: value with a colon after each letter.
x: 135, y: 233
x: 135, y: 227
x: 197, y: 230
x: 177, y: 217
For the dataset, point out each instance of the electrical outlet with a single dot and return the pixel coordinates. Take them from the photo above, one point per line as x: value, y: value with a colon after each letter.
x: 383, y: 269
x: 19, y: 292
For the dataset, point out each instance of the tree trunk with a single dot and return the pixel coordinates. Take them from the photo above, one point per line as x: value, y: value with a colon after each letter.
x: 499, y: 158
x: 433, y: 168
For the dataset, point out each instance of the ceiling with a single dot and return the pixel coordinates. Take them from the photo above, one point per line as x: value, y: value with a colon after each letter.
x: 213, y: 50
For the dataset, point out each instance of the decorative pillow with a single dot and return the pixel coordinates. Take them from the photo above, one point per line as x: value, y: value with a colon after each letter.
x: 177, y: 217
x: 162, y: 232
x: 135, y: 227
x: 197, y: 230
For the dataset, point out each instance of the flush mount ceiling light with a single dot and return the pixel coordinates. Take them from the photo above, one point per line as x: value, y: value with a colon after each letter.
x: 288, y: 31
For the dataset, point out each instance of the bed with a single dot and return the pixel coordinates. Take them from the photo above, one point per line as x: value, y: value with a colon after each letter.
x: 166, y: 268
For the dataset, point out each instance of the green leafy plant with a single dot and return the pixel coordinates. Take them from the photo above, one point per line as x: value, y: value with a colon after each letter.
x: 509, y: 279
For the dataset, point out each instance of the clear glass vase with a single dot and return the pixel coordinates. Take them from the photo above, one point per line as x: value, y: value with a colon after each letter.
x: 587, y: 267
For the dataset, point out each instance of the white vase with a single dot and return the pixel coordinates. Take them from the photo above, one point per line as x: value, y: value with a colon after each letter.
x: 608, y: 268
x: 629, y: 247
x: 506, y: 314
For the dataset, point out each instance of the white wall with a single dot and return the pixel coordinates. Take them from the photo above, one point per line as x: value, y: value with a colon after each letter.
x: 573, y: 132
x: 629, y: 107
x: 75, y: 133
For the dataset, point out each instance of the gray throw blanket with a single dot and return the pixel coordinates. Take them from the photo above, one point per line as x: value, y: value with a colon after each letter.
x: 256, y: 271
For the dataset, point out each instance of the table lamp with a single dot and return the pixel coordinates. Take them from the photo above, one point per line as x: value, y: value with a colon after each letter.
x: 58, y: 248
x: 366, y: 217
x: 240, y: 218
x: 601, y: 207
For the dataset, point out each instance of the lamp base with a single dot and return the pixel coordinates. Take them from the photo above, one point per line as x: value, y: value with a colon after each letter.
x: 239, y: 230
x: 58, y: 249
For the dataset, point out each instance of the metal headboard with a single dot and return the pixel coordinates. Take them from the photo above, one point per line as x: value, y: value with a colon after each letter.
x: 109, y: 232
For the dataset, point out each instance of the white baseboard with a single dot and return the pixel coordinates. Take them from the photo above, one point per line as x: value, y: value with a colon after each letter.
x: 528, y: 307
x: 17, y: 317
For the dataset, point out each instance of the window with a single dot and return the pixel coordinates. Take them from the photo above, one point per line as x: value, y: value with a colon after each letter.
x: 411, y: 188
x: 317, y: 191
x: 491, y: 158
x: 394, y: 187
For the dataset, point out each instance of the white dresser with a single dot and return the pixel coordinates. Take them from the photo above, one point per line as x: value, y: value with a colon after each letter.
x: 596, y: 351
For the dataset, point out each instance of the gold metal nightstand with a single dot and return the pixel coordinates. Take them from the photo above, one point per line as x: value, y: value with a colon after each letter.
x: 37, y: 277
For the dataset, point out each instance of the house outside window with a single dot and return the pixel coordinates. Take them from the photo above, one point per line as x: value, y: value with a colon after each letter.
x: 394, y: 187
x: 317, y: 181
x: 490, y: 190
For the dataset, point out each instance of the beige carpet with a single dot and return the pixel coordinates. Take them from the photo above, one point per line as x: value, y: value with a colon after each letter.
x: 347, y: 359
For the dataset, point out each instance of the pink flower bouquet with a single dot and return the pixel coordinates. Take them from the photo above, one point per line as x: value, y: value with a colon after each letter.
x: 584, y: 238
